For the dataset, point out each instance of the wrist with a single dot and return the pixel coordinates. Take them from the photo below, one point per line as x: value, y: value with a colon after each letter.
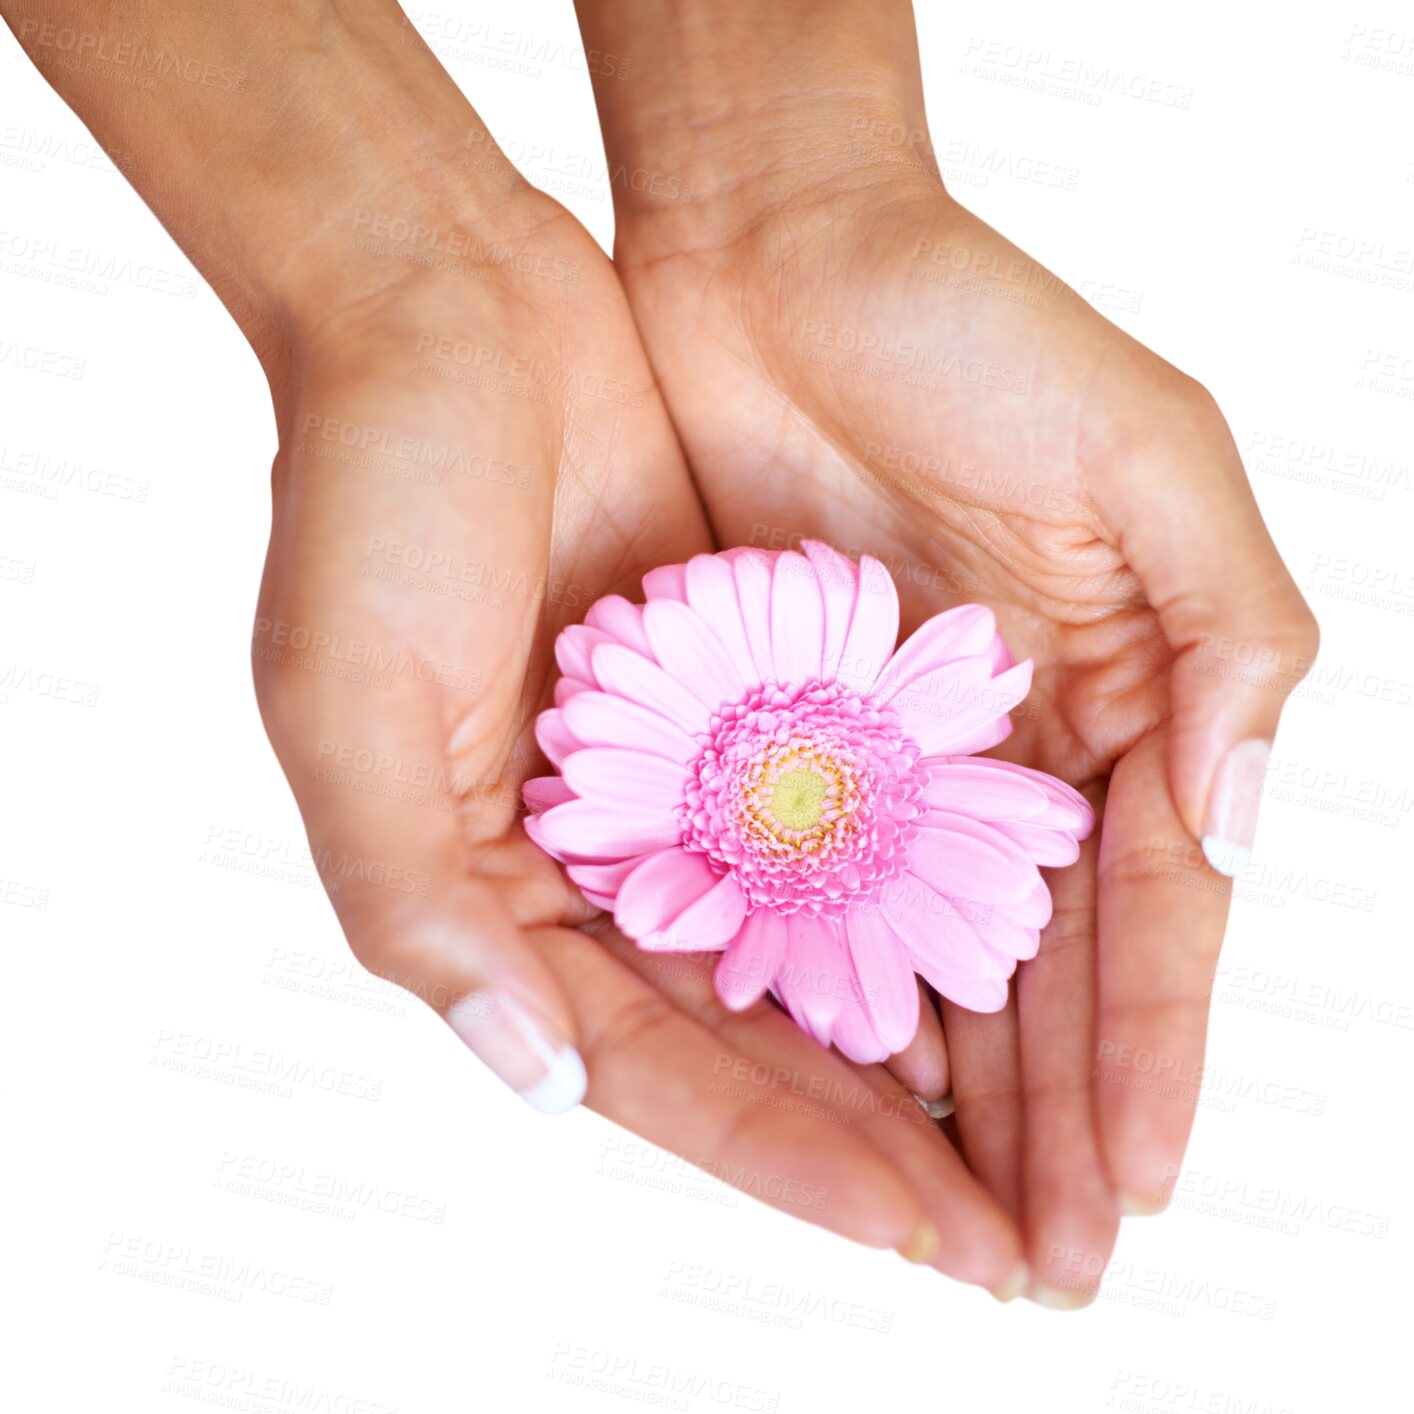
x: 752, y: 111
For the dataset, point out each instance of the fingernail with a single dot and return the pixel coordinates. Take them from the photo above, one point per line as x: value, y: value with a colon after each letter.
x: 1014, y: 1285
x: 921, y: 1245
x: 1232, y: 806
x: 938, y: 1109
x: 542, y: 1069
x: 1061, y: 1298
x: 1133, y: 1205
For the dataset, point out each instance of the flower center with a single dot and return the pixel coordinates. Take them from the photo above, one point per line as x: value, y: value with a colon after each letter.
x: 806, y: 794
x: 799, y: 799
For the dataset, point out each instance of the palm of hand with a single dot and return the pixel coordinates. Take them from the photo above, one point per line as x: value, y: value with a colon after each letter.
x: 979, y: 434
x: 456, y: 573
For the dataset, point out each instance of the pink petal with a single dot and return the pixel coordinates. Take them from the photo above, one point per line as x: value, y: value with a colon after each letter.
x: 704, y: 926
x: 839, y: 588
x: 628, y: 780
x: 659, y: 888
x: 604, y: 880
x: 614, y: 615
x: 573, y: 649
x: 752, y: 571
x: 964, y: 632
x: 666, y: 582
x: 937, y: 731
x: 886, y: 981
x: 985, y: 994
x: 977, y: 788
x: 751, y: 960
x: 568, y: 687
x: 873, y: 628
x: 816, y: 976
x: 984, y: 738
x: 554, y: 736
x: 1069, y: 809
x: 1052, y: 848
x: 966, y: 859
x: 711, y: 591
x: 625, y: 673
x: 590, y: 831
x: 854, y: 1036
x: 934, y: 931
x: 797, y: 620
x: 1034, y: 910
x: 542, y: 792
x: 690, y: 652
x: 1008, y: 937
x: 601, y: 719
x: 600, y: 901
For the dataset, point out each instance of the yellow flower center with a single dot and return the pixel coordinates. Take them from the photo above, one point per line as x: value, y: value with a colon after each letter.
x: 798, y: 799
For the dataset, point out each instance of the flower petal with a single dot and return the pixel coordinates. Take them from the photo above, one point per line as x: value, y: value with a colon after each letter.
x: 752, y: 572
x: 574, y: 647
x: 603, y: 880
x: 853, y: 1035
x: 602, y: 719
x: 624, y: 779
x: 1069, y: 809
x: 839, y: 588
x: 659, y: 888
x: 553, y: 735
x: 887, y: 986
x: 944, y: 722
x: 590, y: 830
x: 964, y: 632
x: 666, y: 582
x: 706, y: 925
x: 1052, y: 848
x: 712, y: 593
x: 614, y: 615
x: 541, y: 792
x: 966, y: 859
x: 627, y: 674
x: 977, y: 788
x: 934, y: 930
x: 797, y: 620
x: 816, y: 975
x: 751, y: 960
x: 873, y: 627
x: 690, y: 652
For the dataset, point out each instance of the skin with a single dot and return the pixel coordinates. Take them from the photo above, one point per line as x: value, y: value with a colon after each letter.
x: 1040, y: 461
x: 346, y: 121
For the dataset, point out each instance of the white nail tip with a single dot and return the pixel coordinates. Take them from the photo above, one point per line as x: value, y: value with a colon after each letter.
x: 1226, y: 857
x: 563, y: 1086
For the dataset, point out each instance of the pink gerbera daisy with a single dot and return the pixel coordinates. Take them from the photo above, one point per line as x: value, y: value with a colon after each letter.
x: 747, y: 767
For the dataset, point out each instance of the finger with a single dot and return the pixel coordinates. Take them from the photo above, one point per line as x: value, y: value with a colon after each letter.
x: 398, y: 870
x: 1242, y: 633
x: 973, y: 1240
x: 922, y: 1065
x: 986, y: 1086
x: 660, y: 1073
x: 1161, y: 913
x: 1072, y: 1214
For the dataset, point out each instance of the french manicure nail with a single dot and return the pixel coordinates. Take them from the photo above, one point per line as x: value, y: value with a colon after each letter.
x: 1014, y: 1285
x: 1061, y: 1298
x: 1232, y: 806
x: 546, y: 1072
x: 1134, y: 1205
x: 922, y: 1244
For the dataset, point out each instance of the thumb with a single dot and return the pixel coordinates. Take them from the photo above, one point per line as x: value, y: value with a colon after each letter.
x: 398, y: 870
x: 1242, y: 635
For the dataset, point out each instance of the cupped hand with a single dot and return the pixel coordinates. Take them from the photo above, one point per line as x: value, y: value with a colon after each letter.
x: 469, y: 457
x: 868, y: 363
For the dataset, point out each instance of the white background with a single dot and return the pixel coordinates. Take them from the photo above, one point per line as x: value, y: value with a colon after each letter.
x: 163, y: 927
